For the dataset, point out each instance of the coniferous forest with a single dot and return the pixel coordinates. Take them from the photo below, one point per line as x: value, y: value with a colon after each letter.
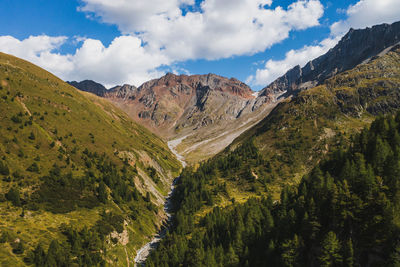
x: 345, y: 212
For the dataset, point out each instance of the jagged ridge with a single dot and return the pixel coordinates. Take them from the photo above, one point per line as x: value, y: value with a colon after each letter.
x: 355, y: 47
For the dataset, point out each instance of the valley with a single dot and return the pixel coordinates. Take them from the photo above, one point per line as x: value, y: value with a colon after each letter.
x: 205, y: 112
x: 200, y: 170
x: 267, y: 197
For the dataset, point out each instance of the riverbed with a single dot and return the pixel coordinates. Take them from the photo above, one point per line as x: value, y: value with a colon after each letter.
x: 144, y: 251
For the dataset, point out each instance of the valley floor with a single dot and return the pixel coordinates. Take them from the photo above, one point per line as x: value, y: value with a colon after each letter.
x: 144, y: 251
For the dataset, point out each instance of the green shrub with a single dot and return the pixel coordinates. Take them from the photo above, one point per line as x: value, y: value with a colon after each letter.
x: 4, y: 168
x: 13, y: 196
x: 33, y: 168
x: 16, y: 119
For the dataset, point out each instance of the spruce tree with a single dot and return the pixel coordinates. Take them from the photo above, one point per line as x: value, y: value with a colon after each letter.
x: 330, y: 251
x: 348, y: 254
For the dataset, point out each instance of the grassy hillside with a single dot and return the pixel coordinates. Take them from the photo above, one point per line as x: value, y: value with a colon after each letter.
x: 72, y: 162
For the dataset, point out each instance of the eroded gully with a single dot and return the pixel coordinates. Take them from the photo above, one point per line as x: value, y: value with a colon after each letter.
x: 144, y: 251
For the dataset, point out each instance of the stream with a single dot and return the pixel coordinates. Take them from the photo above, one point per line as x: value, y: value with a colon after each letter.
x: 144, y: 251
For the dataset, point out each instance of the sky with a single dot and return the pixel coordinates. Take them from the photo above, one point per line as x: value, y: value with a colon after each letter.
x: 132, y: 41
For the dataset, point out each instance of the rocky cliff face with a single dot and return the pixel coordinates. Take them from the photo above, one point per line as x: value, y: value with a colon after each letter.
x: 356, y: 47
x: 126, y: 92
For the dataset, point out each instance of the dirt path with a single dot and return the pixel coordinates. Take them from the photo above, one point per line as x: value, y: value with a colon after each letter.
x: 144, y: 251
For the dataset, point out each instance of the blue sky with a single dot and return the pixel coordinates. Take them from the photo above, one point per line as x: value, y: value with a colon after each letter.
x: 133, y: 41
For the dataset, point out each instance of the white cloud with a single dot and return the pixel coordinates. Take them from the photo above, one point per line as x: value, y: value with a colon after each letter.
x: 40, y: 50
x: 220, y: 29
x: 276, y: 68
x: 157, y: 33
x: 124, y: 60
x: 366, y: 13
x: 363, y: 14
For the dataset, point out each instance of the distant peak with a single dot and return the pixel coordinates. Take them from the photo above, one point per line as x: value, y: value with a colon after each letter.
x: 89, y: 86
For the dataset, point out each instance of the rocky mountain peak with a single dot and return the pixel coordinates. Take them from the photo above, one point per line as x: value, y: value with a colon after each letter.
x: 89, y: 86
x: 125, y: 91
x: 181, y: 103
x: 200, y: 82
x: 356, y: 47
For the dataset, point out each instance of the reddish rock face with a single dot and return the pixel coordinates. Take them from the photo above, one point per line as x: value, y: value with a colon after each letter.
x: 174, y: 102
x: 198, y: 82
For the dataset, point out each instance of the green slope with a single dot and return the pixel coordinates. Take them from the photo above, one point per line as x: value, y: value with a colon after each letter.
x: 75, y: 161
x: 301, y: 130
x: 217, y: 225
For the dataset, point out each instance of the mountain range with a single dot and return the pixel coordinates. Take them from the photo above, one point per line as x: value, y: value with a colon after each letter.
x: 199, y: 110
x: 207, y: 112
x: 304, y: 172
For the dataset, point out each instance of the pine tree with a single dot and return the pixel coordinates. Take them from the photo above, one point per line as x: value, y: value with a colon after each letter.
x: 102, y: 190
x: 39, y: 255
x: 348, y: 254
x: 231, y: 258
x: 395, y: 257
x: 32, y: 136
x: 33, y: 168
x: 381, y: 151
x: 330, y: 251
x: 55, y: 256
x: 290, y: 252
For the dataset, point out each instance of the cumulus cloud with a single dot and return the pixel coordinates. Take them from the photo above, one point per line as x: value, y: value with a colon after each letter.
x: 363, y: 14
x: 124, y: 60
x: 276, y: 68
x: 366, y: 13
x: 40, y: 50
x: 218, y: 29
x: 160, y: 33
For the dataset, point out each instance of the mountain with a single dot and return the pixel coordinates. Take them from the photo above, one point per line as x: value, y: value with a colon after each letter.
x: 203, y: 112
x: 356, y: 47
x: 80, y: 182
x: 89, y: 86
x: 125, y: 92
x: 174, y: 103
x: 305, y: 126
x: 301, y: 130
x: 315, y: 183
